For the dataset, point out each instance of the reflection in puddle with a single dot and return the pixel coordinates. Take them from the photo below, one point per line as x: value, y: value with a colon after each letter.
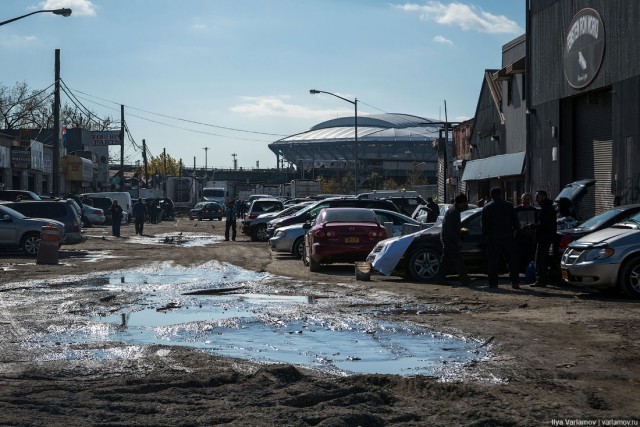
x: 173, y: 309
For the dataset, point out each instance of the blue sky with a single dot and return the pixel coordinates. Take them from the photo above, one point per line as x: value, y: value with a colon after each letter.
x: 249, y: 64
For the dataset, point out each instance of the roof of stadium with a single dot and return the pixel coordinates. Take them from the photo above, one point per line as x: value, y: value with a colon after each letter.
x: 380, y: 136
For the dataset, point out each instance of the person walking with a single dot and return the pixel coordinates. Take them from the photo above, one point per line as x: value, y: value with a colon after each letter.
x: 116, y: 218
x: 545, y: 235
x: 139, y: 213
x: 499, y: 226
x: 527, y: 217
x: 433, y: 211
x: 230, y: 217
x: 452, y: 238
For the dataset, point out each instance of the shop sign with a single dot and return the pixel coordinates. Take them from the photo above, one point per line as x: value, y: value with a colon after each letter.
x: 37, y: 154
x: 5, y: 157
x: 20, y: 158
x: 47, y: 163
x: 583, y: 48
x: 105, y: 138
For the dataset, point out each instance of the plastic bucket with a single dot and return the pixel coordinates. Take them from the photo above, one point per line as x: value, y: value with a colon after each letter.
x: 363, y: 271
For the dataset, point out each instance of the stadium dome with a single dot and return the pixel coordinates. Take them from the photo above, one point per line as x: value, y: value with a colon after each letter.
x: 387, y: 143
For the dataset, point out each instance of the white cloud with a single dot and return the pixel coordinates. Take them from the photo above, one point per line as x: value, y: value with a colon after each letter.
x: 442, y: 40
x: 199, y: 27
x: 15, y: 40
x: 78, y: 7
x: 275, y: 106
x: 467, y: 17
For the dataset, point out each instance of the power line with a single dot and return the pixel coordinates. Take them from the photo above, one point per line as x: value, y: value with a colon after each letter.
x: 38, y: 93
x: 182, y: 119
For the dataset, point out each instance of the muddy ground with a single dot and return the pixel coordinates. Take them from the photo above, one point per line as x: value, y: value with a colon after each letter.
x: 555, y: 353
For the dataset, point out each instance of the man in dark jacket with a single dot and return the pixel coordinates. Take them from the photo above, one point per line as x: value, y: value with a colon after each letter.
x: 499, y: 226
x: 230, y: 218
x: 545, y: 233
x: 139, y: 213
x: 451, y: 238
x: 433, y: 211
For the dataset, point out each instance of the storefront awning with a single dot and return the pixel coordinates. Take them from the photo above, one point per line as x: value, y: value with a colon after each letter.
x: 494, y: 167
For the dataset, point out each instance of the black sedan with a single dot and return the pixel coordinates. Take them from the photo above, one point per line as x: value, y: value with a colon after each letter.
x: 207, y: 210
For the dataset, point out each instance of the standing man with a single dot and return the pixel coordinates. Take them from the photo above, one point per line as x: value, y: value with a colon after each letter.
x: 499, y: 226
x: 527, y: 217
x: 451, y: 238
x: 116, y: 218
x: 139, y: 213
x: 433, y: 210
x: 230, y: 217
x: 545, y: 234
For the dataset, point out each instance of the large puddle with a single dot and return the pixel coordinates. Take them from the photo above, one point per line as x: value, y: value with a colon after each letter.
x: 225, y: 310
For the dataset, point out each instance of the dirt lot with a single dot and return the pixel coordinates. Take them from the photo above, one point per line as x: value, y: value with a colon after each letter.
x: 555, y: 353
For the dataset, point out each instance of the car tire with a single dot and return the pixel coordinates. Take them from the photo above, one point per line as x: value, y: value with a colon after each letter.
x: 305, y: 260
x: 629, y: 279
x: 314, y: 266
x: 261, y: 233
x: 220, y: 219
x: 298, y: 248
x: 30, y: 243
x: 425, y: 265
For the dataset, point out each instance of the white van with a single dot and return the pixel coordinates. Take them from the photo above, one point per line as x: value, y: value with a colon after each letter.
x: 123, y: 198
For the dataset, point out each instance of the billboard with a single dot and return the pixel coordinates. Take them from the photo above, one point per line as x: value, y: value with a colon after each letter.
x: 37, y: 155
x: 105, y: 138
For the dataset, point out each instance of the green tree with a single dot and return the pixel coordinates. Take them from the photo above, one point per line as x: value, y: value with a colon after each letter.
x: 156, y: 165
x: 390, y: 184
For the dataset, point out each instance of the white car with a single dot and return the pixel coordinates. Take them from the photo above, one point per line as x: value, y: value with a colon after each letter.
x: 605, y: 259
x: 94, y: 215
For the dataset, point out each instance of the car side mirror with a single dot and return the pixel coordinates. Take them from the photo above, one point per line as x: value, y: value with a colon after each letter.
x: 6, y: 218
x: 306, y: 226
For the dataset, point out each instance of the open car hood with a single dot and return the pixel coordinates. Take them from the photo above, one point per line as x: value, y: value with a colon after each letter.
x: 576, y: 190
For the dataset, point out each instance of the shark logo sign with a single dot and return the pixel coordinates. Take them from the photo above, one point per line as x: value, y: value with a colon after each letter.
x: 583, y: 48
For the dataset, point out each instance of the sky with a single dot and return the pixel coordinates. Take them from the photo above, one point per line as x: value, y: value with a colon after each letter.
x: 249, y: 64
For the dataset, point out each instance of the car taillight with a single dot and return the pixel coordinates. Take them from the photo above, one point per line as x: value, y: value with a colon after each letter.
x: 375, y: 235
x: 99, y: 212
x: 331, y: 234
x: 319, y: 233
x: 76, y: 226
x: 564, y: 242
x: 204, y: 210
x: 252, y: 217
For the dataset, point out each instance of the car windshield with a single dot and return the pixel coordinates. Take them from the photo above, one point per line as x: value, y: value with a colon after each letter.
x: 349, y: 215
x: 199, y: 206
x: 634, y: 219
x: 598, y: 220
x: 8, y: 211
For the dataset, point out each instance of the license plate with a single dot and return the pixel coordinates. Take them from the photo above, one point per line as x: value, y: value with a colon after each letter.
x: 351, y: 240
x: 565, y: 275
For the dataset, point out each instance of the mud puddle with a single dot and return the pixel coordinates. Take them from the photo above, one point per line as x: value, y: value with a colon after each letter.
x: 224, y: 310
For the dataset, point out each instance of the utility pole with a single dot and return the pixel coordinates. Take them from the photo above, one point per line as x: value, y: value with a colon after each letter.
x: 121, y: 147
x: 206, y: 149
x: 446, y: 145
x: 235, y: 161
x: 194, y: 165
x: 144, y: 159
x: 180, y: 168
x: 164, y: 158
x: 55, y: 164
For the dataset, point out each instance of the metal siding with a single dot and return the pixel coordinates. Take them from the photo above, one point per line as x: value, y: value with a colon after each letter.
x: 626, y: 141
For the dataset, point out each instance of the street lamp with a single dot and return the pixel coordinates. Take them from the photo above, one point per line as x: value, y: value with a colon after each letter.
x: 64, y: 12
x: 355, y: 139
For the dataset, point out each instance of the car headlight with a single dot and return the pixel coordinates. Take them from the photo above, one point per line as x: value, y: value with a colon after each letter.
x: 280, y: 233
x: 598, y: 253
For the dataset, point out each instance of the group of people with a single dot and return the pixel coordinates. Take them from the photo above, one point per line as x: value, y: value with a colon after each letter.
x: 139, y: 211
x: 507, y: 238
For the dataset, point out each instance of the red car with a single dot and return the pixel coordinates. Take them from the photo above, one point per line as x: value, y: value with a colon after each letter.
x: 341, y: 235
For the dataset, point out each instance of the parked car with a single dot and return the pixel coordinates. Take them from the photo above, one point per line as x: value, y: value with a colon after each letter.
x: 608, y: 258
x: 290, y: 239
x: 421, y: 212
x: 258, y: 196
x: 258, y: 207
x: 257, y: 227
x: 13, y: 195
x: 103, y: 203
x: 20, y: 232
x: 59, y: 210
x: 406, y: 204
x: 94, y: 216
x: 606, y: 219
x: 309, y: 213
x: 341, y: 235
x: 207, y: 210
x: 123, y: 198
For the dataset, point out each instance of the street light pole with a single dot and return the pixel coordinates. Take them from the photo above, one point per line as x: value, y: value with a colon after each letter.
x: 63, y: 12
x: 206, y: 150
x: 355, y: 138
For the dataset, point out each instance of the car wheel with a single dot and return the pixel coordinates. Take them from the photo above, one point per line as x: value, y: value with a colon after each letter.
x: 305, y: 260
x: 30, y: 244
x: 314, y: 266
x: 630, y: 277
x: 298, y: 247
x: 425, y: 265
x: 261, y: 233
x: 220, y: 219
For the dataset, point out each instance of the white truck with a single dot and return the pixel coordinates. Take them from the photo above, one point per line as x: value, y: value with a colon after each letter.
x: 214, y: 194
x: 304, y: 188
x: 183, y: 191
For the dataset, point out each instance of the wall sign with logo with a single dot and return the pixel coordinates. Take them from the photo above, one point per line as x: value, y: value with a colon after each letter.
x: 20, y: 158
x: 105, y: 138
x: 583, y: 48
x: 37, y: 154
